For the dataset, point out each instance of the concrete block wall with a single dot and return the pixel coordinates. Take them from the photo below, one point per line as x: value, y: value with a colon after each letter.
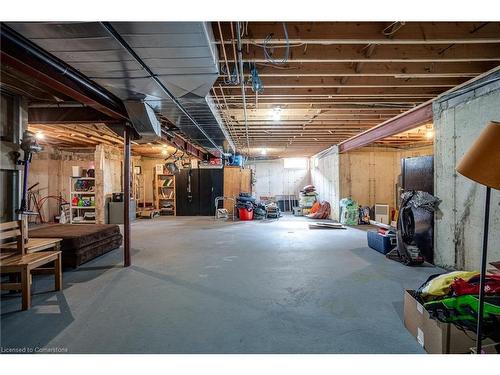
x: 458, y: 120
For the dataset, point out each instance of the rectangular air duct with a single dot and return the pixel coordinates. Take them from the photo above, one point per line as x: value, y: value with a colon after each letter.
x: 144, y: 120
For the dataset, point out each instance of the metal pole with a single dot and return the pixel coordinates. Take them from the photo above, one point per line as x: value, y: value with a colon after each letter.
x: 242, y: 77
x: 484, y: 257
x: 126, y: 196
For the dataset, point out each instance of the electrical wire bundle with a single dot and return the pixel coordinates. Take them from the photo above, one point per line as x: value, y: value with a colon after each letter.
x: 232, y: 78
x: 257, y: 85
x: 269, y: 55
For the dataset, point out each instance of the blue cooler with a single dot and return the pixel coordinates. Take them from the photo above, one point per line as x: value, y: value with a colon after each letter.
x: 383, y: 244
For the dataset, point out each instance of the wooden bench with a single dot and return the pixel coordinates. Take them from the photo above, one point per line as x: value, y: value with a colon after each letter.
x: 25, y: 256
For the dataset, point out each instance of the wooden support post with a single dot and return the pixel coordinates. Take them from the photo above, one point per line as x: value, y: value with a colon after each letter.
x: 58, y: 273
x: 26, y: 288
x: 126, y: 196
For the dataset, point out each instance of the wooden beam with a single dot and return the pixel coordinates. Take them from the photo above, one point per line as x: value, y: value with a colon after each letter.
x: 347, y: 91
x: 354, y: 81
x: 383, y: 54
x: 405, y: 69
x: 64, y: 115
x: 371, y: 32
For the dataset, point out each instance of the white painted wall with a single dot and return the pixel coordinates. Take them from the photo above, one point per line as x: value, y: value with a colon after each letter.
x: 325, y: 176
x: 273, y: 179
x: 458, y: 121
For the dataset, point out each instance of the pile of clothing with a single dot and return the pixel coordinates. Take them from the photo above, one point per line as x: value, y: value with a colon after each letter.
x: 453, y: 298
x: 320, y: 211
x: 261, y: 210
x: 307, y: 198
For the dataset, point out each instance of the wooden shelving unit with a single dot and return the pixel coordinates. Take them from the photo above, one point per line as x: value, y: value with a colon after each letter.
x: 165, y: 193
x: 83, y: 193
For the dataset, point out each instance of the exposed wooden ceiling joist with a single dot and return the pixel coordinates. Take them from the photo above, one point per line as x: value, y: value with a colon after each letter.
x: 372, y: 32
x: 365, y: 73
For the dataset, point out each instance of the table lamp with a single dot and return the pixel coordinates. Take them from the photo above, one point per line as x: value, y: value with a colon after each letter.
x: 481, y: 163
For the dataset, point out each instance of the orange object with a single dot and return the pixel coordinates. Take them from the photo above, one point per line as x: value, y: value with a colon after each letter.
x: 315, y: 208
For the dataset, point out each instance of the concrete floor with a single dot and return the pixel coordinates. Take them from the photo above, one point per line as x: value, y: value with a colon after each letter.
x: 199, y: 286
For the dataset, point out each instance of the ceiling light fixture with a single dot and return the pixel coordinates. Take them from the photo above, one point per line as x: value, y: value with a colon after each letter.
x: 39, y: 135
x: 276, y: 113
x: 164, y: 152
x: 429, y: 133
x: 263, y: 151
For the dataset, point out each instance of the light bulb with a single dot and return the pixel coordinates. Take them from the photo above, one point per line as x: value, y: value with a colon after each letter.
x: 276, y: 114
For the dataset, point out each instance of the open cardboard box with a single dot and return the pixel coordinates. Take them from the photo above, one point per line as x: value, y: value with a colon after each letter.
x: 435, y: 337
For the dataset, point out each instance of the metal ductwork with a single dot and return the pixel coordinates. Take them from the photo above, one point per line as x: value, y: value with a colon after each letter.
x: 144, y: 120
x: 170, y: 66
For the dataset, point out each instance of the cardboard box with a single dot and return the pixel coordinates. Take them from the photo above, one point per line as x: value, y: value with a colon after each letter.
x: 488, y: 349
x: 435, y: 337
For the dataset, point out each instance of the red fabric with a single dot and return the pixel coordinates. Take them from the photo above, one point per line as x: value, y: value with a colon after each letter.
x: 323, y: 212
x: 461, y: 287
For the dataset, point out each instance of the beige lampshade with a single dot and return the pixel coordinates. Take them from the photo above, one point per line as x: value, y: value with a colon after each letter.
x: 481, y: 162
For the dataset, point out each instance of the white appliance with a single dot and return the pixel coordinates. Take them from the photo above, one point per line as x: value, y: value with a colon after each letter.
x: 382, y: 213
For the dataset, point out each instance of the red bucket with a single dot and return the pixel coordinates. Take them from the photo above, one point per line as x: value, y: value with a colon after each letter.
x: 246, y: 214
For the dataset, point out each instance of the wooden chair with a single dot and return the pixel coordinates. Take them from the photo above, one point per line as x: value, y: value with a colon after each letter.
x: 25, y: 256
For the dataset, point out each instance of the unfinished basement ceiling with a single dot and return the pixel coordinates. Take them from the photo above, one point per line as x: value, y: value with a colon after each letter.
x: 81, y: 136
x: 342, y: 78
x: 180, y: 55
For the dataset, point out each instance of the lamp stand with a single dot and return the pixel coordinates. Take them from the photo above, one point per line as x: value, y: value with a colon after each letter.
x: 484, y: 256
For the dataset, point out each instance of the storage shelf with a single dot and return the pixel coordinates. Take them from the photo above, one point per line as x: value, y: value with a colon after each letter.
x: 86, y: 195
x: 165, y: 193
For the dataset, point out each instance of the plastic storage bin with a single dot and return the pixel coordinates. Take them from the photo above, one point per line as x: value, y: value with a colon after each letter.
x: 382, y: 244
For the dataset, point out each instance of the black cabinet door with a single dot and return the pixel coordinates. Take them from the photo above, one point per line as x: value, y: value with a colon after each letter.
x: 211, y: 186
x: 187, y: 203
x: 206, y: 185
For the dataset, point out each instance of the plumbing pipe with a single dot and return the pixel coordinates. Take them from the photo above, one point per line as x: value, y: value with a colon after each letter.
x: 240, y: 56
x: 224, y: 49
x: 235, y: 55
